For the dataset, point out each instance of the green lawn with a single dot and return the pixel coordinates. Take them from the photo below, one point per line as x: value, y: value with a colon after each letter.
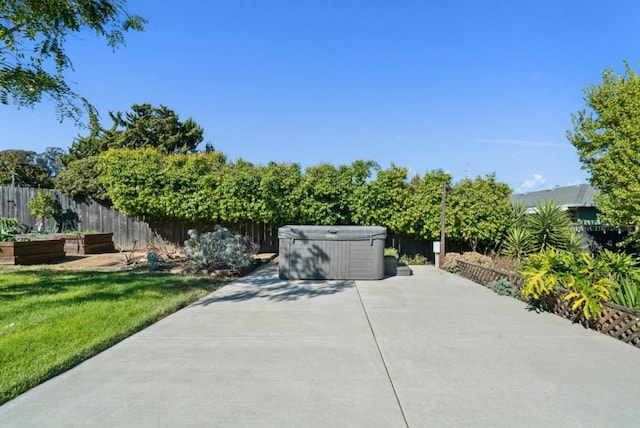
x: 53, y: 320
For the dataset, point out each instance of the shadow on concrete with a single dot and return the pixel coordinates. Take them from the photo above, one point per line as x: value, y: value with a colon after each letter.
x: 264, y: 283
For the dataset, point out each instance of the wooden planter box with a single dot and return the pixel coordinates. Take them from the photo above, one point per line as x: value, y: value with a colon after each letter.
x: 91, y: 243
x: 31, y: 252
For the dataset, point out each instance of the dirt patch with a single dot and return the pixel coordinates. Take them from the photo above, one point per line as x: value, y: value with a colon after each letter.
x: 107, y: 262
x: 126, y: 260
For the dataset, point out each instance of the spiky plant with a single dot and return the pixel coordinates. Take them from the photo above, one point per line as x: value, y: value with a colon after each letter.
x: 549, y: 227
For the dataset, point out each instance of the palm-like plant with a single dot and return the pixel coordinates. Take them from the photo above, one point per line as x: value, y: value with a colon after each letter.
x: 517, y: 243
x: 549, y: 227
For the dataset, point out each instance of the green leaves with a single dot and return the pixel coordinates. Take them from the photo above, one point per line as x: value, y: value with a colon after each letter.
x: 43, y: 206
x: 591, y: 280
x: 481, y: 210
x: 607, y: 138
x: 549, y: 226
x: 33, y: 59
x: 205, y: 187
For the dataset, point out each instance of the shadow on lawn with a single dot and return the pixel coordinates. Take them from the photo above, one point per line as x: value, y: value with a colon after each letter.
x: 265, y: 284
x: 84, y: 286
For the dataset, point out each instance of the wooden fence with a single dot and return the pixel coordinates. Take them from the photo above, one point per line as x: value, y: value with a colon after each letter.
x: 89, y: 215
x: 617, y: 321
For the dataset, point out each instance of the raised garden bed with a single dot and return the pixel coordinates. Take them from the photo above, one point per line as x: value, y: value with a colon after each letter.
x: 90, y: 243
x: 31, y: 252
x: 81, y: 243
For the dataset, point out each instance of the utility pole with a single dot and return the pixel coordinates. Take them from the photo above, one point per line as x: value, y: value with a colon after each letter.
x: 442, y: 224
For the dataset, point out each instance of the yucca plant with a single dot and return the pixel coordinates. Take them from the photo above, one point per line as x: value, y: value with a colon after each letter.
x: 549, y: 227
x: 576, y: 243
x: 518, y: 215
x: 517, y: 243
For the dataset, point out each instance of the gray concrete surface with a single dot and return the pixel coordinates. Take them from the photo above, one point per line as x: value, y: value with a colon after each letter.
x: 427, y: 350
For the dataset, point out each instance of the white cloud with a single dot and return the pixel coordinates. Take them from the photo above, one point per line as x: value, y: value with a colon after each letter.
x: 534, y: 183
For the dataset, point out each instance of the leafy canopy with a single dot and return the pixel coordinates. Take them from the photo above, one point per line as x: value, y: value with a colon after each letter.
x: 24, y: 168
x: 33, y: 60
x: 143, y: 126
x: 481, y: 210
x: 607, y: 137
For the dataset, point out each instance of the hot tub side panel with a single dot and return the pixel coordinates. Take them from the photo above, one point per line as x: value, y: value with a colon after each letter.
x: 313, y: 259
x: 366, y: 259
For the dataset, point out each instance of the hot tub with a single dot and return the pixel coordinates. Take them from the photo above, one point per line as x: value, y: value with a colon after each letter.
x: 331, y: 252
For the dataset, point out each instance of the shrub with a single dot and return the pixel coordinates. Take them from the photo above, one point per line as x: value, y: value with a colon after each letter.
x: 153, y: 260
x: 451, y: 262
x: 43, y: 206
x: 503, y: 287
x: 476, y: 258
x: 8, y: 227
x: 219, y: 249
x: 417, y: 259
x: 390, y: 251
x: 587, y: 278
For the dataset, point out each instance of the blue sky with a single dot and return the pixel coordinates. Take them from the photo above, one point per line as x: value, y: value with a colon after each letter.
x: 469, y: 87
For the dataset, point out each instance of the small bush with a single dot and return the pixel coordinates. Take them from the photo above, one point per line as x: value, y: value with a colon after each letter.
x: 8, y: 229
x: 417, y: 259
x: 219, y: 249
x: 502, y: 287
x: 391, y: 252
x: 153, y: 260
x: 451, y: 262
x: 43, y: 206
x: 476, y: 258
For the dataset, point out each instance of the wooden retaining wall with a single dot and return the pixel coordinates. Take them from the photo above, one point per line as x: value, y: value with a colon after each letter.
x: 616, y: 321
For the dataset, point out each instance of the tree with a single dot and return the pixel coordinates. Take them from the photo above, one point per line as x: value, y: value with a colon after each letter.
x: 21, y: 168
x: 33, y: 60
x: 43, y: 206
x: 144, y: 126
x: 481, y: 210
x: 51, y: 160
x: 80, y: 179
x: 382, y: 202
x: 607, y: 138
x: 421, y: 217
